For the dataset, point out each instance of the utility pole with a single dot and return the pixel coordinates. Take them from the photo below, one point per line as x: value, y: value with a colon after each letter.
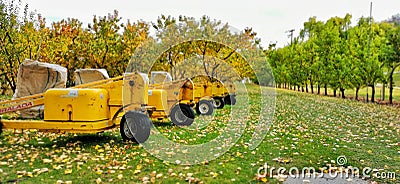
x: 369, y: 40
x: 290, y: 35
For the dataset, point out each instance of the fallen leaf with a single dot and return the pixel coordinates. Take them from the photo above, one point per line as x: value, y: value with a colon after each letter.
x: 68, y: 171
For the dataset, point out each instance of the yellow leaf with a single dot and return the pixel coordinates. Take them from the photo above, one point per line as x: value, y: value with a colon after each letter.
x: 264, y: 180
x: 46, y: 161
x: 29, y: 174
x: 68, y: 171
x: 56, y: 167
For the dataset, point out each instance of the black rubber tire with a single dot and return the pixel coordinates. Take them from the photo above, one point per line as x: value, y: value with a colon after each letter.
x: 135, y: 126
x: 233, y: 100
x: 205, y: 107
x: 230, y: 99
x: 219, y: 103
x: 196, y: 108
x: 182, y: 115
x: 227, y: 100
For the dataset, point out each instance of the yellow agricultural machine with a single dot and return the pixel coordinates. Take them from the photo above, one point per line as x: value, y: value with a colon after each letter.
x: 223, y: 93
x: 202, y: 90
x: 209, y: 93
x: 213, y: 90
x: 97, y: 106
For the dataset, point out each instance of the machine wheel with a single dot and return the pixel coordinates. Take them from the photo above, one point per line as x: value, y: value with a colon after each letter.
x: 230, y: 99
x: 204, y: 107
x: 135, y: 126
x: 219, y: 103
x: 182, y: 115
x: 233, y: 99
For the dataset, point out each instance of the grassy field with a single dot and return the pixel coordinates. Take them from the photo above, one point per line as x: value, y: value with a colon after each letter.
x: 351, y: 93
x: 396, y: 79
x: 308, y: 131
x: 363, y: 92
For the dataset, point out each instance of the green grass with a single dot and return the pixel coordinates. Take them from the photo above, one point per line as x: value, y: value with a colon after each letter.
x: 351, y: 93
x: 396, y: 79
x: 308, y: 130
x: 378, y: 93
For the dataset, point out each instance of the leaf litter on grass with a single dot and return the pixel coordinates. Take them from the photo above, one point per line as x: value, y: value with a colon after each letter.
x: 308, y: 130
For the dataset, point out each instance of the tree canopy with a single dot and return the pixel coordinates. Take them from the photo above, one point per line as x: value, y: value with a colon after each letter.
x: 333, y: 54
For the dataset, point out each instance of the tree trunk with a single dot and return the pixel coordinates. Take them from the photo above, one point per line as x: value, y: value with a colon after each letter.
x: 326, y: 90
x: 302, y: 89
x: 312, y: 87
x: 298, y: 88
x: 319, y: 89
x: 307, y: 88
x: 342, y: 90
x: 391, y: 87
x: 334, y: 92
x: 357, y: 89
x: 383, y: 92
x: 391, y: 90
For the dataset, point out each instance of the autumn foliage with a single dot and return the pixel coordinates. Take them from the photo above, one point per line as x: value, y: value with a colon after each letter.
x: 109, y: 43
x: 104, y: 43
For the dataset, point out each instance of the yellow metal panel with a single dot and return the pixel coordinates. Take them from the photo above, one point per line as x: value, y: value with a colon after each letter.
x: 198, y: 91
x: 135, y: 91
x: 230, y: 87
x: 180, y: 91
x: 75, y: 127
x: 158, y: 99
x: 114, y: 90
x: 158, y: 115
x: 186, y: 92
x: 218, y: 89
x: 76, y: 105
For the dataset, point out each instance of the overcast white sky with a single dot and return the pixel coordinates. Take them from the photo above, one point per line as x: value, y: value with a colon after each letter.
x: 269, y: 18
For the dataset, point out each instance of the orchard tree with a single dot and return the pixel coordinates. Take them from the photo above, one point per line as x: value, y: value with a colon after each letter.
x: 19, y: 39
x: 390, y: 55
x: 188, y: 40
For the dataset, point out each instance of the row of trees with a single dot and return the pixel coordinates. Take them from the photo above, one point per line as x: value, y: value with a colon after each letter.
x: 333, y: 54
x: 187, y: 47
x: 66, y: 42
x: 108, y: 43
